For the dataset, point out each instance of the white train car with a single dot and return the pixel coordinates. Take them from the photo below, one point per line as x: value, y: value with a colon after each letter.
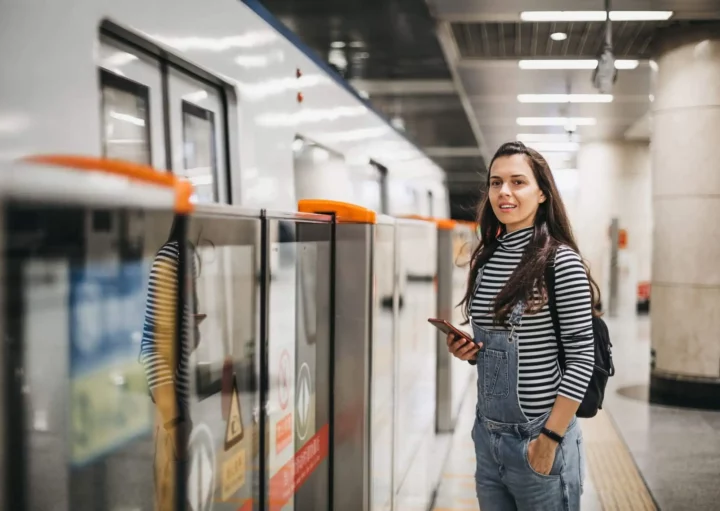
x: 217, y: 91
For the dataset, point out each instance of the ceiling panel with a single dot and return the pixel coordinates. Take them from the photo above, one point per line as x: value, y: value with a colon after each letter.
x: 384, y: 38
x: 494, y: 78
x: 385, y: 42
x: 532, y: 40
x: 509, y: 10
x: 432, y: 120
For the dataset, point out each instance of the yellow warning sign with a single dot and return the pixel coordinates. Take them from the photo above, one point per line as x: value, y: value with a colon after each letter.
x: 234, y: 430
x: 233, y: 474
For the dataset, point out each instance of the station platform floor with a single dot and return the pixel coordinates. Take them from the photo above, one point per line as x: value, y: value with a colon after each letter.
x: 639, y: 456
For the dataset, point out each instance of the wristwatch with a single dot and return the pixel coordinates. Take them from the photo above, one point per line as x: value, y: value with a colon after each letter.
x: 552, y: 435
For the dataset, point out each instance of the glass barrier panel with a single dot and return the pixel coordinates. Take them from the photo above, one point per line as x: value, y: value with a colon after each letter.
x: 298, y: 406
x: 416, y: 355
x: 464, y: 243
x: 382, y: 364
x: 223, y: 469
x: 85, y: 434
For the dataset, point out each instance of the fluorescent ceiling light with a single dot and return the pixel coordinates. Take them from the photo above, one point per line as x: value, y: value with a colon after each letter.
x: 546, y: 137
x: 562, y: 16
x: 541, y: 16
x: 573, y: 64
x: 556, y: 121
x: 565, y: 98
x: 558, y: 36
x: 626, y: 64
x: 640, y: 15
x: 554, y: 146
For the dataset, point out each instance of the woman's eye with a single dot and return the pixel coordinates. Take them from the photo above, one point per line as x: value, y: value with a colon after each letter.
x: 518, y: 182
x: 495, y: 183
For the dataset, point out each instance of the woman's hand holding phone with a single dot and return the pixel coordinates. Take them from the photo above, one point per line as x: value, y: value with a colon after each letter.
x: 462, y: 347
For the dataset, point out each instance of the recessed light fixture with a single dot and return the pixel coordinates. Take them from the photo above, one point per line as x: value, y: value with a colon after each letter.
x: 546, y: 137
x: 558, y: 36
x: 540, y: 16
x: 554, y: 146
x: 573, y: 64
x: 565, y: 98
x: 556, y: 121
x: 337, y: 45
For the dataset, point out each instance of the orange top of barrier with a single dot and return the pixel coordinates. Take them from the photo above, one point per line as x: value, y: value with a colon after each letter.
x: 442, y: 223
x: 183, y: 188
x: 445, y: 224
x: 344, y: 212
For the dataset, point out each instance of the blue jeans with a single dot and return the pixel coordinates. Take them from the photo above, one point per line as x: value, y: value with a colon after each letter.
x: 504, y: 478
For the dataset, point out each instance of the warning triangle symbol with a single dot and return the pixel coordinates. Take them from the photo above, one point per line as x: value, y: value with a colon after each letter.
x: 234, y: 430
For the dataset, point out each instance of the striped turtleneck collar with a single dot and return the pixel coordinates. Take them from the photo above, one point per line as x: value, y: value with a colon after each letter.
x: 516, y: 241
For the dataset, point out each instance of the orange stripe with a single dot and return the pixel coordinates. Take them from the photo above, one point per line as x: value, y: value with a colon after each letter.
x: 445, y: 224
x: 183, y: 188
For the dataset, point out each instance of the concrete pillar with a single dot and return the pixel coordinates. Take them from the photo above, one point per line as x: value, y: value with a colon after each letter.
x: 613, y: 181
x: 685, y: 307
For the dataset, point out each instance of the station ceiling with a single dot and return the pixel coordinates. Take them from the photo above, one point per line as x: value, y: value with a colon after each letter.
x: 393, y: 55
x: 448, y: 73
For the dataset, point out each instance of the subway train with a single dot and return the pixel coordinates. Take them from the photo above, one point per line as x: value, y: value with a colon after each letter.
x: 219, y: 92
x: 316, y: 382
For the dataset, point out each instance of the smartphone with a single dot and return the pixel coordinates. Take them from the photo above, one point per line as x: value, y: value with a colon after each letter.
x: 447, y: 328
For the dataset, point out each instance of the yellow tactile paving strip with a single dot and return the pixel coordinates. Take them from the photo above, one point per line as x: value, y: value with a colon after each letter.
x: 617, y: 481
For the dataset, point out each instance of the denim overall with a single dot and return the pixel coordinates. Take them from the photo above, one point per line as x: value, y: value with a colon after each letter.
x: 504, y: 478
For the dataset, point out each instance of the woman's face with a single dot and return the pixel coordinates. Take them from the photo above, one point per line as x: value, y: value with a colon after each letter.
x: 514, y: 192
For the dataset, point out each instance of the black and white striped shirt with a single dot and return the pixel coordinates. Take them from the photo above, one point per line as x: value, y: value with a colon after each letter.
x: 160, y: 323
x: 539, y: 376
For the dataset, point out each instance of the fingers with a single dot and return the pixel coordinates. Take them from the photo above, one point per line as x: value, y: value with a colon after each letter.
x: 451, y: 338
x: 464, y: 349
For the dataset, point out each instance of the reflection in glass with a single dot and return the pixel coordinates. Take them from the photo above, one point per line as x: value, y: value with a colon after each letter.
x: 125, y: 118
x: 81, y: 280
x: 225, y: 360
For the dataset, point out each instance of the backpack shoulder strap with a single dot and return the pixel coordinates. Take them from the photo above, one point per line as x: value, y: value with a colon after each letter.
x: 550, y: 283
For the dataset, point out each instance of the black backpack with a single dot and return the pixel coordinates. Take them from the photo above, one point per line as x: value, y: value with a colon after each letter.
x: 603, y: 368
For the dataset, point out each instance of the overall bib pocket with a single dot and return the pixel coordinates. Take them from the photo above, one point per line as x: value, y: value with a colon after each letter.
x: 495, y: 367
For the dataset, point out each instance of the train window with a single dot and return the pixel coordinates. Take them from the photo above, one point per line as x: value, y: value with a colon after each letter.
x: 131, y: 104
x: 197, y: 134
x: 199, y: 150
x: 125, y: 117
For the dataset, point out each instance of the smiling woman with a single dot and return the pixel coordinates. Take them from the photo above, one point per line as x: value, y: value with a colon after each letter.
x: 528, y: 394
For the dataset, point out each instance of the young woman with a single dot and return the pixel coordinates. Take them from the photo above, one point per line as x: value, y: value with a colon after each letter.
x: 528, y: 443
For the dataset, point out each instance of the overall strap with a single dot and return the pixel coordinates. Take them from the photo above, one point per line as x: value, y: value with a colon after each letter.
x: 550, y: 284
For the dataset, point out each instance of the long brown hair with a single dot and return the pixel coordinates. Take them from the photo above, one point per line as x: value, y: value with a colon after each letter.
x: 551, y: 230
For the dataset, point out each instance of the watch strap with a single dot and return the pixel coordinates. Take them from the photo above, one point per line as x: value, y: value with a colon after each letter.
x: 552, y: 435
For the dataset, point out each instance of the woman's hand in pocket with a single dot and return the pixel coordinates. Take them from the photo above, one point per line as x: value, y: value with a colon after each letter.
x: 541, y: 454
x: 462, y: 348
